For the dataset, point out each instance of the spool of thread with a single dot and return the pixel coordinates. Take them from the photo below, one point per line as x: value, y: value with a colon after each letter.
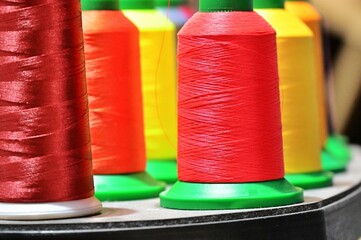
x: 115, y: 104
x: 158, y: 72
x: 336, y: 144
x: 46, y: 169
x: 298, y: 91
x: 313, y: 20
x: 178, y: 11
x: 230, y: 138
x: 309, y: 15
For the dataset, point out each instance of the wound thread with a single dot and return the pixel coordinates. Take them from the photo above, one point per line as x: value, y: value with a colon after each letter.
x: 228, y: 108
x: 114, y: 87
x: 298, y: 90
x: 44, y: 129
x: 157, y: 51
x: 309, y: 15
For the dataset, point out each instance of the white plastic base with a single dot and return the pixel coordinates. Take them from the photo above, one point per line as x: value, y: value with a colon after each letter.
x: 55, y: 210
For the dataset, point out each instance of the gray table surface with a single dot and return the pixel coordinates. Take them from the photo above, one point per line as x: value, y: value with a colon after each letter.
x: 145, y: 210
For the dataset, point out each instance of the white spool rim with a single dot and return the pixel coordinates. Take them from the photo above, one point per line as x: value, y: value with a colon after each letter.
x: 47, y: 211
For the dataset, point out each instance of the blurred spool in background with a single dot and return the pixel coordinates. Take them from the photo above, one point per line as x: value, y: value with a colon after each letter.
x: 158, y: 73
x: 336, y: 144
x: 343, y: 22
x: 46, y: 169
x: 178, y: 11
x: 115, y: 102
x: 298, y: 91
x: 229, y: 135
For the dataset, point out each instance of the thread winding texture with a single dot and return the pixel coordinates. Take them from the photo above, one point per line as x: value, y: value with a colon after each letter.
x: 44, y: 129
x: 309, y: 15
x: 114, y: 88
x: 228, y: 100
x: 157, y: 50
x: 298, y: 91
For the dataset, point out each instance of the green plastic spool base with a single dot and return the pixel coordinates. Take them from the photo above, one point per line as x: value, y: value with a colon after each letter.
x: 311, y: 180
x: 88, y: 5
x: 225, y: 5
x: 338, y: 147
x: 214, y: 196
x: 164, y: 3
x: 163, y: 170
x: 126, y: 187
x: 136, y: 4
x: 260, y: 4
x: 330, y: 163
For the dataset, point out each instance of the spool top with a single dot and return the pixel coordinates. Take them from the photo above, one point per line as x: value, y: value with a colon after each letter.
x: 269, y: 3
x: 164, y: 3
x: 225, y: 5
x: 88, y: 5
x: 137, y: 4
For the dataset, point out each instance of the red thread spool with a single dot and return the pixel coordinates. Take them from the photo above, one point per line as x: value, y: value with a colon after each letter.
x: 230, y: 136
x: 115, y: 102
x: 46, y: 169
x: 229, y: 116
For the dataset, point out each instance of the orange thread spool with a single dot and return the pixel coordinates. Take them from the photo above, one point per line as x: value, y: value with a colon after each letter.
x: 115, y: 101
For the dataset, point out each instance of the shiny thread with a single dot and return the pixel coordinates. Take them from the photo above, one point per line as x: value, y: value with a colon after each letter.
x: 44, y: 130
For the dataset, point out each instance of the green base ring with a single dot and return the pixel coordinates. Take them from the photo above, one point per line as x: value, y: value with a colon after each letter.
x: 126, y: 187
x: 88, y: 5
x: 263, y: 4
x: 218, y: 196
x: 330, y: 163
x: 311, y: 180
x: 163, y: 170
x: 164, y: 3
x: 137, y: 4
x: 338, y: 147
x: 225, y: 5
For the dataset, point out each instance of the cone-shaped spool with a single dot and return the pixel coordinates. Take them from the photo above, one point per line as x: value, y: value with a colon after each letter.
x: 125, y: 186
x: 213, y: 196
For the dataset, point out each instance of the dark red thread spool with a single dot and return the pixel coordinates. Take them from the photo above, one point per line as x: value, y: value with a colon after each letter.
x: 45, y: 156
x: 230, y: 136
x: 115, y: 102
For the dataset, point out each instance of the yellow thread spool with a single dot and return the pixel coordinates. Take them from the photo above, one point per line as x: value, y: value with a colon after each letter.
x: 298, y: 91
x: 308, y: 14
x: 158, y: 71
